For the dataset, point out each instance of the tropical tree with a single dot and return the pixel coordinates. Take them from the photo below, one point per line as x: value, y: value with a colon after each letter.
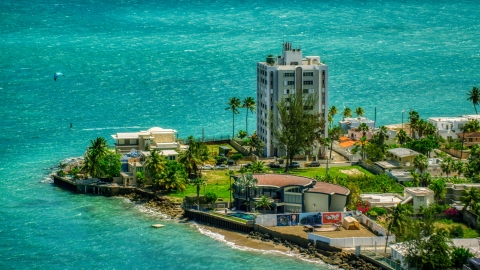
x: 382, y: 135
x: 296, y: 124
x: 198, y: 182
x: 256, y: 144
x: 264, y: 203
x: 413, y: 117
x: 402, y: 137
x: 420, y: 163
x: 230, y: 175
x: 155, y: 165
x: 233, y: 104
x: 474, y: 97
x: 245, y: 182
x: 141, y: 180
x: 458, y: 167
x: 194, y: 156
x: 110, y: 165
x: 472, y: 167
x: 95, y: 152
x: 429, y: 253
x: 257, y: 167
x: 236, y: 157
x: 249, y: 104
x: 364, y: 128
x: 472, y: 126
x: 447, y: 165
x: 174, y: 176
x: 470, y: 198
x: 347, y: 112
x: 331, y: 114
x: 439, y: 187
x: 359, y: 112
x: 210, y: 197
x: 460, y: 256
x: 363, y: 142
x: 398, y: 220
x: 242, y: 134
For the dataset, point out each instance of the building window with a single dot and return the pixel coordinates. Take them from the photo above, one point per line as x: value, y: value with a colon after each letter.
x: 291, y: 83
x: 307, y: 73
x: 307, y: 82
x: 288, y: 74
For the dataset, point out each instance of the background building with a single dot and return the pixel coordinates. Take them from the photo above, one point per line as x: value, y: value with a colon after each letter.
x: 281, y: 76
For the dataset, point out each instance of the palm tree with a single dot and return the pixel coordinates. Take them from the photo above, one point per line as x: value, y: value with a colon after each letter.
x: 420, y: 163
x: 250, y: 105
x: 233, y: 106
x: 198, y: 182
x: 245, y: 183
x: 382, y: 134
x: 155, y: 168
x: 194, y: 156
x: 470, y: 198
x: 439, y: 187
x: 399, y: 220
x: 474, y: 97
x: 230, y: 174
x: 359, y: 111
x: 458, y: 167
x: 402, y: 137
x: 97, y: 150
x: 265, y: 203
x: 363, y: 128
x: 257, y: 167
x: 174, y: 177
x: 472, y: 126
x: 363, y: 141
x: 413, y: 117
x: 331, y: 114
x: 256, y: 144
x: 447, y: 165
x: 347, y: 112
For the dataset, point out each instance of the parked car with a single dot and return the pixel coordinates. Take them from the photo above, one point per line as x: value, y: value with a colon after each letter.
x: 294, y: 165
x: 221, y: 167
x: 247, y: 165
x: 274, y: 165
x: 207, y: 167
x: 313, y: 164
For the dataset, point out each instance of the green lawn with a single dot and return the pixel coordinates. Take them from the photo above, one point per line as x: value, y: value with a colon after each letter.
x: 217, y: 182
x: 321, y: 171
x: 448, y: 224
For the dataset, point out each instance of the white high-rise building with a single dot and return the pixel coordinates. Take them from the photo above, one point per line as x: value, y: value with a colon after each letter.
x: 283, y: 75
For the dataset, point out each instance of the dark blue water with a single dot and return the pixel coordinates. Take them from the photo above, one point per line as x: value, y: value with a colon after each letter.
x: 132, y: 65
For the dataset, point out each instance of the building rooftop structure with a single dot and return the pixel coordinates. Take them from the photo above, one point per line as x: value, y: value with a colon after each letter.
x: 382, y: 200
x: 281, y: 180
x: 418, y: 191
x: 403, y: 152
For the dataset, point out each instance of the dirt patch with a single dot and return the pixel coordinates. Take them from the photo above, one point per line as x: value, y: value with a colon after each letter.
x: 352, y: 172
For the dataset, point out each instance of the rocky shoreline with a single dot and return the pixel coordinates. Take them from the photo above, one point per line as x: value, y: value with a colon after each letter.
x: 344, y: 260
x: 157, y: 204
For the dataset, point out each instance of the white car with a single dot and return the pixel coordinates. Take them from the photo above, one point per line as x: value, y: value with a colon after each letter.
x: 221, y: 167
x: 207, y: 167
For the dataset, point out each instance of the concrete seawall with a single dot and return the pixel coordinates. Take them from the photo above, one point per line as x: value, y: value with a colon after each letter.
x: 92, y: 188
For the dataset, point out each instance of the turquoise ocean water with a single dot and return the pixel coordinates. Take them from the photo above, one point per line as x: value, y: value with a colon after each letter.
x: 132, y: 65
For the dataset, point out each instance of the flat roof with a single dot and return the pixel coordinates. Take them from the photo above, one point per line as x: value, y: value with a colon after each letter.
x: 403, y: 152
x: 322, y: 187
x: 418, y: 190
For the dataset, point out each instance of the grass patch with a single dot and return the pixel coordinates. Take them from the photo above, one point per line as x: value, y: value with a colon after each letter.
x: 217, y: 182
x: 449, y: 224
x: 320, y: 171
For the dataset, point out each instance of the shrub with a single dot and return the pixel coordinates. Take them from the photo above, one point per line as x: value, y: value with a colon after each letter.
x: 460, y: 256
x: 372, y: 213
x: 363, y: 207
x: 452, y: 211
x: 61, y: 173
x: 210, y: 197
x: 380, y: 211
x: 456, y: 231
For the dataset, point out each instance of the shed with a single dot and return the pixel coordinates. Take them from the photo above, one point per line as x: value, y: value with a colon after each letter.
x: 223, y: 150
x: 349, y: 223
